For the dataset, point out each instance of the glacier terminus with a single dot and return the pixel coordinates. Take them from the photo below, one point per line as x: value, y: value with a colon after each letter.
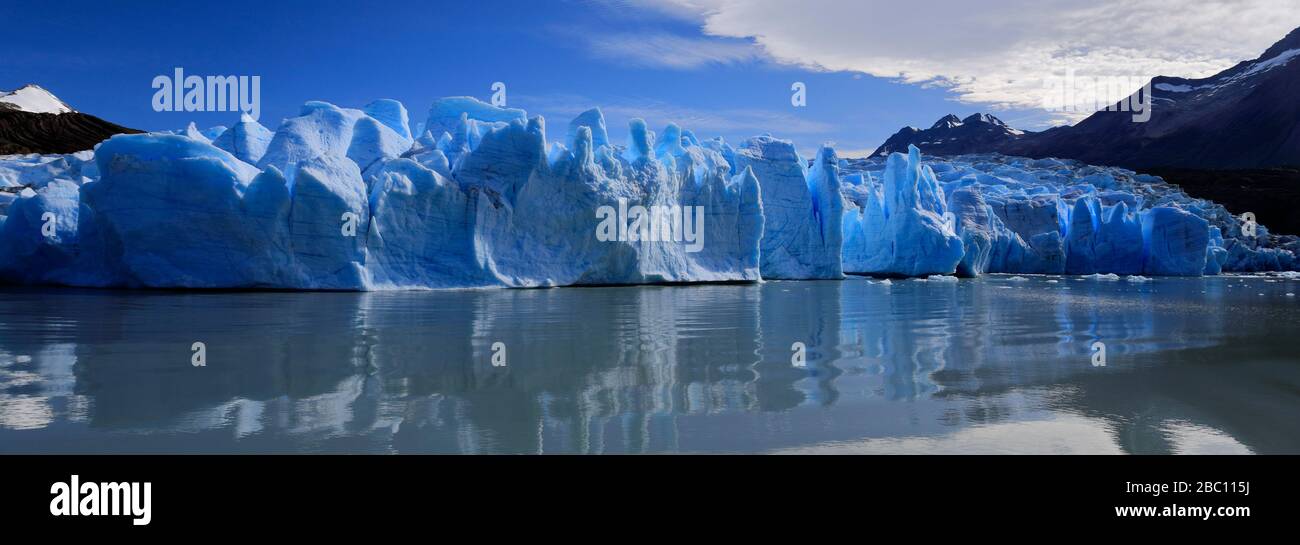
x: 354, y: 199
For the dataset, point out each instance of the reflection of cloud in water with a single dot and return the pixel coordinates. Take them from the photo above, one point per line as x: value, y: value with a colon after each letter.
x: 1191, y: 438
x: 1063, y: 435
x: 33, y: 384
x: 25, y: 412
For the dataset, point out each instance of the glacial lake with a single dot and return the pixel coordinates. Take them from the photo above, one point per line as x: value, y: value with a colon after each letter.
x: 990, y: 365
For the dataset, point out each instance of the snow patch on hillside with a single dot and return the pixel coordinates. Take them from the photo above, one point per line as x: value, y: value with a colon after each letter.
x: 34, y: 99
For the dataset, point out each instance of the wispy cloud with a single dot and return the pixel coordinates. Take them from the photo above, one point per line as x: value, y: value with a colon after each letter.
x: 654, y: 49
x: 1001, y: 52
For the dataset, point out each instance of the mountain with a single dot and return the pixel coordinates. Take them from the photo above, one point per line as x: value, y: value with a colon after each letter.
x: 33, y: 99
x: 1245, y: 117
x: 33, y: 120
x: 952, y: 136
x: 1233, y: 137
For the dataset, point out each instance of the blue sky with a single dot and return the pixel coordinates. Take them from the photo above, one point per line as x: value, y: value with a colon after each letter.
x: 715, y: 66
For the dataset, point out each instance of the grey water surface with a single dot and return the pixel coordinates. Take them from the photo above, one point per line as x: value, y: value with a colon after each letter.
x: 990, y: 365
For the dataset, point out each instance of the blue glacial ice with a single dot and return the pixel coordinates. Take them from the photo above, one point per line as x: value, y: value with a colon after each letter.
x: 1049, y: 216
x: 247, y: 140
x: 899, y: 229
x: 342, y: 199
x: 802, y: 209
x: 40, y: 232
x: 353, y: 199
x: 1175, y: 242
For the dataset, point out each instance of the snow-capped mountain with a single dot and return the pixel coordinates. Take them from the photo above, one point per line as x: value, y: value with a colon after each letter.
x: 953, y: 136
x: 1247, y: 116
x: 33, y: 120
x: 32, y: 98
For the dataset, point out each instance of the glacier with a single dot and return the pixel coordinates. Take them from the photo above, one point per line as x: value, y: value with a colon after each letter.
x: 246, y: 140
x: 900, y: 229
x: 344, y: 199
x: 477, y: 197
x: 1049, y: 216
x: 802, y: 209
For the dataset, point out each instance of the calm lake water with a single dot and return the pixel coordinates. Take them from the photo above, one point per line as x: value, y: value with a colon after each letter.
x: 992, y: 365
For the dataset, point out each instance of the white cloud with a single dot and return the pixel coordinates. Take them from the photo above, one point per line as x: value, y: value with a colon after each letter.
x: 665, y: 50
x: 997, y: 52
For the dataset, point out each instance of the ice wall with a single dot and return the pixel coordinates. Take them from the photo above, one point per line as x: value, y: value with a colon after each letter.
x: 351, y: 199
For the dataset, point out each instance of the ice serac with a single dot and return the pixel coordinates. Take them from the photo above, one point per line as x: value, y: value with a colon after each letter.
x: 506, y: 158
x: 802, y: 209
x: 594, y: 120
x: 168, y: 212
x: 578, y: 220
x: 1176, y: 242
x: 35, y: 171
x: 826, y: 248
x: 979, y: 228
x: 1118, y: 244
x: 1101, y: 239
x: 324, y: 129
x: 423, y: 230
x: 1217, y: 255
x: 329, y: 221
x: 902, y: 231
x: 206, y: 136
x: 640, y: 142
x: 512, y: 215
x: 246, y: 140
x: 1038, y: 246
x: 38, y: 237
x: 1082, y: 225
x: 445, y: 114
x: 392, y: 114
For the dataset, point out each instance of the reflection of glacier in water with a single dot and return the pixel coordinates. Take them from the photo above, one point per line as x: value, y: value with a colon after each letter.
x: 986, y: 365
